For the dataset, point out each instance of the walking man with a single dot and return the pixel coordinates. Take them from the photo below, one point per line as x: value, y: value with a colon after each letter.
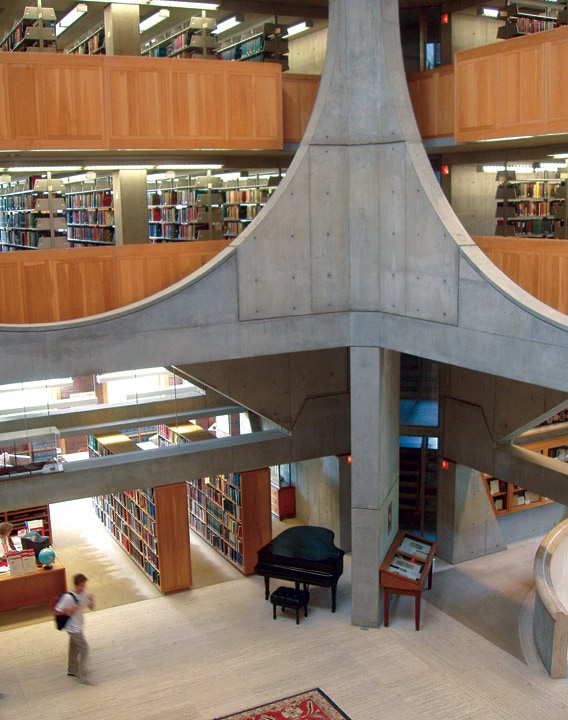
x: 73, y: 605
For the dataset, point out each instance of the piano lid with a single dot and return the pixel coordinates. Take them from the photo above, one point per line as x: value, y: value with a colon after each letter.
x: 305, y: 542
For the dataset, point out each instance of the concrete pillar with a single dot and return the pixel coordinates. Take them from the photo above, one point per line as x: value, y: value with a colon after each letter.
x: 130, y: 207
x: 375, y: 393
x: 122, y: 29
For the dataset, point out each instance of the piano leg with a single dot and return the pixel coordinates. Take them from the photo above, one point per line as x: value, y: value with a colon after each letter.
x: 266, y: 588
x: 333, y: 597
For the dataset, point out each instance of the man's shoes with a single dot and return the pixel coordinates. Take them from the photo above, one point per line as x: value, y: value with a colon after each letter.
x: 82, y: 679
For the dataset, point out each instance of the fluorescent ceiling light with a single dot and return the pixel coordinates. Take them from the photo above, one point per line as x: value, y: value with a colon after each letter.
x: 299, y: 27
x: 489, y: 12
x: 154, y: 19
x: 189, y: 167
x: 71, y: 17
x: 165, y: 3
x: 36, y: 169
x: 176, y: 4
x: 228, y: 24
x: 117, y: 167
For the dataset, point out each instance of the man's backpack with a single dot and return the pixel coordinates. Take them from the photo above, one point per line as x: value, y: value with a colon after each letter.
x: 61, y: 618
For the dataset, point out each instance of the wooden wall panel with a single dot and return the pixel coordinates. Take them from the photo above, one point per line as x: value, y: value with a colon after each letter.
x: 538, y: 265
x: 4, y: 130
x: 476, y: 99
x: 520, y: 79
x: 76, y: 93
x: 557, y: 101
x: 520, y: 89
x: 11, y: 292
x: 57, y: 101
x: 197, y: 114
x: 138, y: 105
x: 299, y: 94
x: 23, y: 105
x: 53, y: 285
x: 432, y: 97
x: 39, y: 297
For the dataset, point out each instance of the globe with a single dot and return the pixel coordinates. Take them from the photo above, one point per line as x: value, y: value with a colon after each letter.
x: 46, y: 557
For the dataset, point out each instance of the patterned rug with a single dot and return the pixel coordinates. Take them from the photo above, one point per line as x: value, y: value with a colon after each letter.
x: 310, y: 705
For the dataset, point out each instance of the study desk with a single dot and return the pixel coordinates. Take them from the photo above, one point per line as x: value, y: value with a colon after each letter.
x: 33, y: 588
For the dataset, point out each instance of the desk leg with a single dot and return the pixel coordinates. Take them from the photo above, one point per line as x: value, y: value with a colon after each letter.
x: 387, y: 607
x: 417, y: 610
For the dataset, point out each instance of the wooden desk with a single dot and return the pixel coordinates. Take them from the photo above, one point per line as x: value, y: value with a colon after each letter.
x: 405, y: 569
x: 33, y: 588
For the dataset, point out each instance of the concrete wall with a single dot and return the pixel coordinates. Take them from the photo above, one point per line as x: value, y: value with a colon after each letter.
x: 317, y: 493
x: 473, y: 198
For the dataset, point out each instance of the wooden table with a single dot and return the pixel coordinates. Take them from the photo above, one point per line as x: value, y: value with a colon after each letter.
x: 33, y: 588
x: 405, y: 569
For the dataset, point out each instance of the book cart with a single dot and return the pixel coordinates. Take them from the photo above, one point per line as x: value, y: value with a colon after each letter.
x: 405, y: 569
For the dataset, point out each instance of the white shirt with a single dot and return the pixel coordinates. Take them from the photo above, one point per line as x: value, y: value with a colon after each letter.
x: 67, y: 601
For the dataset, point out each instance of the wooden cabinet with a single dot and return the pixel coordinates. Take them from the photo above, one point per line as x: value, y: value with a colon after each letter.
x: 406, y: 568
x: 232, y: 513
x: 151, y: 526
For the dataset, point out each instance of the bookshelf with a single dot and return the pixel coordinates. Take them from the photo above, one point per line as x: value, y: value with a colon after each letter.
x: 232, y: 513
x: 531, y: 17
x: 34, y: 32
x: 204, y: 208
x: 91, y: 43
x: 529, y: 208
x: 32, y: 214
x: 19, y: 518
x: 263, y: 43
x: 50, y: 215
x: 181, y: 434
x: 507, y: 497
x: 190, y: 39
x: 111, y: 443
x: 90, y: 213
x: 151, y: 526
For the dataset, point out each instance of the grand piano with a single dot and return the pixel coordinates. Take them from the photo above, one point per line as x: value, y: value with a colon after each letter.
x: 305, y: 555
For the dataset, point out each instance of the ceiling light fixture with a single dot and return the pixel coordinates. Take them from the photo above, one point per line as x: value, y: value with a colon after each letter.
x: 299, y: 27
x: 71, y: 17
x: 489, y: 12
x: 154, y: 19
x: 38, y: 169
x: 228, y: 24
x: 110, y: 168
x: 165, y: 3
x: 189, y: 167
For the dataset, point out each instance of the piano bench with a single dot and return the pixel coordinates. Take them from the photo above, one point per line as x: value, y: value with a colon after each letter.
x: 289, y: 597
